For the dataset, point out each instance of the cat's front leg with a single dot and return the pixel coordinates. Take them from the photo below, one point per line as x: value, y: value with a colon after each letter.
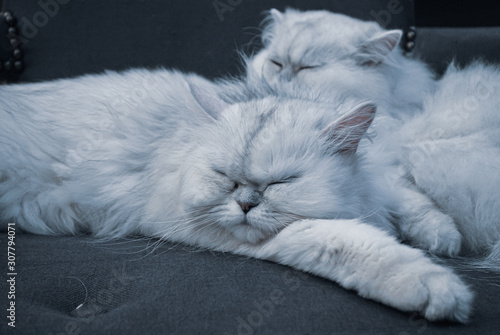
x: 363, y: 258
x: 424, y: 225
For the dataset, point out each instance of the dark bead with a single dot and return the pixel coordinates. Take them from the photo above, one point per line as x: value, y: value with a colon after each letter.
x: 412, y: 28
x: 12, y: 31
x: 18, y: 65
x: 17, y: 53
x: 7, y: 65
x: 410, y: 46
x: 410, y: 35
x: 15, y: 43
x: 9, y: 18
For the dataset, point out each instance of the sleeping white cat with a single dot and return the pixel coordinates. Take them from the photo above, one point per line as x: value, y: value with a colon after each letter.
x: 268, y: 177
x: 333, y: 52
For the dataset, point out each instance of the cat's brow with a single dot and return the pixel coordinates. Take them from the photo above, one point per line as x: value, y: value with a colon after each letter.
x: 263, y: 119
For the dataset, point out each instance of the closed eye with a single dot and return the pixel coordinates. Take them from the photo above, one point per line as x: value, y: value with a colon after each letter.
x: 278, y: 64
x: 234, y: 185
x: 283, y: 181
x: 308, y: 67
x: 220, y: 172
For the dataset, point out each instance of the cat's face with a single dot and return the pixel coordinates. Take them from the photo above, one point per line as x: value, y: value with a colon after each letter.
x: 325, y: 51
x: 265, y: 164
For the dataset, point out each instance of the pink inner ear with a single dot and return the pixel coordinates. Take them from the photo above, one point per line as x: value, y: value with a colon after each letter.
x: 350, y: 129
x: 361, y: 118
x: 392, y: 39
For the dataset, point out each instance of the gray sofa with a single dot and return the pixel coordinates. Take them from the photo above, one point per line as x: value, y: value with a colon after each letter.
x: 75, y: 285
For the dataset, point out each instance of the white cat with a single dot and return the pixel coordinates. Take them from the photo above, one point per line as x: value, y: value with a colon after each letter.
x: 160, y: 154
x: 333, y: 52
x: 449, y: 204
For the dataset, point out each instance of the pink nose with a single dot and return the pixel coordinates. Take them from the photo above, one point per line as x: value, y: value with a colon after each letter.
x: 246, y: 206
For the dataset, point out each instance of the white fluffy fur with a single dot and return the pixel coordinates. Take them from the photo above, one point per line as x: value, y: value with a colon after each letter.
x: 158, y: 153
x: 453, y: 154
x: 437, y: 147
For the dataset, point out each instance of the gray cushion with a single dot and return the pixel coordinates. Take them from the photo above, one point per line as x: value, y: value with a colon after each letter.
x: 146, y: 287
x: 89, y: 36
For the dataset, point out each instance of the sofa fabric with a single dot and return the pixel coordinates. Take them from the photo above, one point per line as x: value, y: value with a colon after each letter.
x: 75, y: 285
x: 439, y: 46
x: 144, y: 287
x: 66, y: 38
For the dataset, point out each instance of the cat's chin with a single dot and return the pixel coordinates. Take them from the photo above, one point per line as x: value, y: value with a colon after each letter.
x: 248, y: 234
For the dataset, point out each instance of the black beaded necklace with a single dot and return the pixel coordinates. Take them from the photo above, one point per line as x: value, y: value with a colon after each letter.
x: 14, y: 62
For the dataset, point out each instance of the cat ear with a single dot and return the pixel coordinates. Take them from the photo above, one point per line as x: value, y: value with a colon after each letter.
x: 345, y: 133
x: 376, y: 49
x: 208, y: 100
x: 276, y: 15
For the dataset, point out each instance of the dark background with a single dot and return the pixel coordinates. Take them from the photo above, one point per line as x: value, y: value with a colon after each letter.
x: 77, y: 36
x: 93, y: 35
x: 457, y: 13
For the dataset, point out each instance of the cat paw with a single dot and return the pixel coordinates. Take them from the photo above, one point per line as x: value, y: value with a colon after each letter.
x: 437, y: 234
x: 413, y: 283
x: 449, y: 298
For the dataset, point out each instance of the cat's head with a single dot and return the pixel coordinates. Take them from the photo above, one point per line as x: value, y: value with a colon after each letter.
x: 260, y: 165
x: 328, y: 52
